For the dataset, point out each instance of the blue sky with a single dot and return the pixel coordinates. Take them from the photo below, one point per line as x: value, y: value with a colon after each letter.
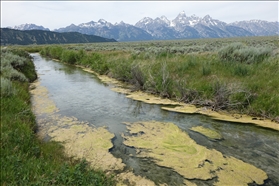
x: 57, y: 14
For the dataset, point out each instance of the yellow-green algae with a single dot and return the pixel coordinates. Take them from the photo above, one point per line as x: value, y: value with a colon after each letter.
x: 211, y: 134
x: 79, y: 139
x: 173, y: 148
x: 103, y: 78
x: 83, y: 141
x: 225, y: 116
x: 131, y: 179
x: 151, y: 99
x: 41, y: 103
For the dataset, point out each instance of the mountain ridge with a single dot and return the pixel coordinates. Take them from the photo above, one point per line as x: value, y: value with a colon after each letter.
x: 28, y: 37
x: 181, y: 27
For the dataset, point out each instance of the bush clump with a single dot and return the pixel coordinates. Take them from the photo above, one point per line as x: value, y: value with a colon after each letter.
x: 238, y: 52
x: 7, y: 88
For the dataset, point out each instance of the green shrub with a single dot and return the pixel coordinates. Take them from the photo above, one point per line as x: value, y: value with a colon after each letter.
x: 159, y: 79
x: 238, y: 52
x: 206, y: 70
x: 10, y: 73
x: 45, y: 52
x: 226, y: 52
x: 240, y: 70
x: 69, y: 56
x: 7, y: 88
x: 15, y: 60
x: 17, y: 65
x: 97, y: 63
x: 122, y: 70
x: 138, y: 78
x: 56, y: 52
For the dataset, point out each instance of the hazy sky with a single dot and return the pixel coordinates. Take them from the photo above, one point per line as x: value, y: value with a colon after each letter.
x: 57, y: 14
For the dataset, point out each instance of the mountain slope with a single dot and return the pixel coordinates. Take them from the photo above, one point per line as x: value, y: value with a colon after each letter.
x: 18, y: 37
x: 259, y: 27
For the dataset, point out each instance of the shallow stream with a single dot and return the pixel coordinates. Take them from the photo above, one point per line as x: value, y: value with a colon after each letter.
x: 82, y: 95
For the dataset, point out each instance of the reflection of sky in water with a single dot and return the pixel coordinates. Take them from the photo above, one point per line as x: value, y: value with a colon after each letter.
x: 79, y: 94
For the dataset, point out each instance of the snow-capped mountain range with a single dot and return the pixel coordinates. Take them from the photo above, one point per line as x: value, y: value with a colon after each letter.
x: 161, y: 28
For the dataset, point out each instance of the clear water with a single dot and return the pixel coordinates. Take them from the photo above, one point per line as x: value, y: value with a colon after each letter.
x: 80, y: 94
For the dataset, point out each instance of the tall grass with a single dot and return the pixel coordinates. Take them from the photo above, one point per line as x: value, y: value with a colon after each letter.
x: 25, y: 160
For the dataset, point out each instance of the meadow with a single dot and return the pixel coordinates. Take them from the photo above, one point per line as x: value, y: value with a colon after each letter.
x: 239, y: 75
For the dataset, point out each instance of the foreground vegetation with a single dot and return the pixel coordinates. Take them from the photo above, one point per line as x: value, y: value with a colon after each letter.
x: 25, y: 160
x: 236, y: 74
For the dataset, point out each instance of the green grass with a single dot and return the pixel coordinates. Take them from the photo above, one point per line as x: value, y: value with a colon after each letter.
x: 25, y: 160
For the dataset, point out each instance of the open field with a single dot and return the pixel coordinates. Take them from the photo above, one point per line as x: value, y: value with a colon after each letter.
x: 235, y: 74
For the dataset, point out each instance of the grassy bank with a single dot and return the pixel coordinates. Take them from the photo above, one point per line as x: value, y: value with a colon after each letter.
x: 25, y: 160
x: 235, y: 74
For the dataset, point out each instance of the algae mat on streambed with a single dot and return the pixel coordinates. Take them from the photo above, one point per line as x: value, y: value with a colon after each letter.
x: 170, y: 147
x: 80, y: 139
x: 210, y: 134
x: 165, y: 143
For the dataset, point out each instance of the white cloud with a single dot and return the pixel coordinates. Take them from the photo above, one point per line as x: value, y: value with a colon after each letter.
x: 53, y: 14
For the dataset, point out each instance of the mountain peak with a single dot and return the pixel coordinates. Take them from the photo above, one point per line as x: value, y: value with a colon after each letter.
x: 207, y: 17
x: 182, y: 14
x: 102, y: 21
x: 146, y: 19
x: 165, y: 20
x: 120, y: 23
